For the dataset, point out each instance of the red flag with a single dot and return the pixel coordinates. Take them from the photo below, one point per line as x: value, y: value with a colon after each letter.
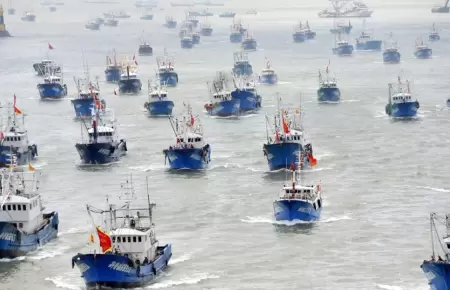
x: 115, y: 92
x: 105, y: 240
x: 50, y: 46
x: 312, y: 160
x: 285, y: 125
x: 277, y: 138
x: 16, y: 110
x: 192, y: 120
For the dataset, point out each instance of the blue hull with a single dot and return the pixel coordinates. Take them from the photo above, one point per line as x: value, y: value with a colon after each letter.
x: 52, y: 91
x: 160, y: 108
x: 169, y: 79
x: 188, y: 158
x: 438, y: 274
x: 14, y: 243
x: 249, y: 100
x: 369, y: 45
x: 131, y: 86
x: 282, y: 155
x: 236, y: 37
x: 243, y: 69
x: 345, y: 30
x: 83, y: 107
x: 225, y: 108
x: 171, y: 24
x: 391, y: 57
x: 7, y: 153
x: 343, y: 50
x: 249, y: 45
x: 100, y: 153
x: 434, y: 38
x: 196, y: 39
x: 298, y: 37
x: 117, y: 271
x: 310, y: 35
x: 423, y: 53
x: 268, y: 79
x: 290, y: 210
x: 113, y: 74
x: 187, y: 44
x: 402, y: 110
x: 328, y: 94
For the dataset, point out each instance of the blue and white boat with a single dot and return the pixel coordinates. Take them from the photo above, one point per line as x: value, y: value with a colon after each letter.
x: 401, y: 104
x: 222, y: 104
x: 422, y: 50
x: 366, y: 41
x: 147, y: 15
x: 129, y: 82
x: 92, y: 25
x: 145, y: 49
x: 328, y: 90
x: 158, y: 102
x: 268, y: 75
x: 286, y: 143
x: 102, y: 145
x: 166, y: 71
x: 170, y: 23
x: 301, y: 203
x: 113, y: 69
x: 15, y: 148
x: 186, y: 42
x: 206, y: 30
x: 24, y: 227
x: 84, y: 101
x: 242, y: 66
x: 190, y: 150
x: 299, y: 33
x: 52, y: 87
x: 249, y: 42
x: 341, y: 28
x: 127, y: 254
x: 237, y: 32
x: 195, y: 38
x: 390, y: 53
x: 434, y: 35
x: 308, y: 31
x: 342, y: 47
x: 245, y: 92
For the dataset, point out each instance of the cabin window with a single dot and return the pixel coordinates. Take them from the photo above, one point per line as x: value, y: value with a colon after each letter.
x: 4, y: 207
x: 20, y: 225
x: 134, y: 239
x: 118, y: 239
x: 113, y: 239
x: 19, y: 207
x: 189, y: 139
x: 129, y: 239
x: 9, y: 207
x: 24, y: 207
x: 139, y: 239
x: 14, y: 207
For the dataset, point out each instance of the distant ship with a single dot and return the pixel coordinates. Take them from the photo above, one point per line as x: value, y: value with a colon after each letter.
x: 129, y: 82
x: 340, y: 27
x: 112, y: 22
x: 245, y: 92
x: 170, y: 23
x: 328, y: 89
x: 92, y: 25
x: 167, y: 74
x: 87, y: 94
x: 237, y: 33
x: 249, y: 42
x: 147, y: 15
x: 158, y: 101
x: 180, y: 4
x: 203, y: 13
x: 208, y: 3
x: 227, y: 14
x: 146, y: 4
x: 52, y: 87
x: 401, y: 103
x: 434, y: 35
x: 390, y: 53
x: 268, y: 75
x: 222, y: 103
x: 366, y: 41
x: 206, y: 30
x: 422, y: 50
x: 302, y: 33
x: 29, y: 17
x: 145, y: 49
x: 342, y: 9
x: 242, y: 65
x: 441, y: 9
x: 342, y: 47
x: 113, y: 69
x: 121, y: 14
x: 186, y: 42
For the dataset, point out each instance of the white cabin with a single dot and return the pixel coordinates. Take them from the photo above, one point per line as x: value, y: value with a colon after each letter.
x: 105, y: 134
x: 402, y: 98
x: 131, y: 75
x: 329, y: 84
x: 222, y: 96
x: 192, y: 140
x: 52, y: 79
x: 137, y: 244
x: 309, y: 193
x: 342, y: 43
x: 268, y: 72
x: 17, y: 138
x: 294, y: 136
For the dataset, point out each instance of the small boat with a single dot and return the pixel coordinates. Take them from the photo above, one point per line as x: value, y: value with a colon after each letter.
x: 103, y: 145
x: 441, y: 9
x: 29, y: 17
x: 147, y: 15
x: 206, y: 30
x: 145, y: 49
x: 422, y: 50
x: 167, y: 74
x: 299, y: 33
x: 190, y: 150
x: 46, y: 66
x: 298, y: 202
x: 222, y: 103
x: 390, y: 53
x: 176, y: 4
x: 85, y: 100
x: 121, y: 14
x: 434, y: 35
x: 340, y: 9
x: 245, y: 92
x: 186, y: 42
x: 158, y: 103
x: 127, y: 253
x: 308, y: 31
x: 52, y: 87
x: 242, y: 65
x: 92, y: 25
x: 249, y: 42
x: 341, y: 28
x: 170, y: 23
x: 52, y: 8
x: 227, y: 14
x: 366, y: 41
x: 401, y: 102
x: 195, y: 38
x: 251, y: 12
x: 111, y: 22
x: 236, y: 34
x: 342, y: 47
x: 286, y: 143
x: 192, y: 21
x: 11, y: 11
x: 24, y: 226
x: 129, y: 82
x: 268, y: 75
x: 113, y: 69
x: 15, y: 148
x: 328, y: 90
x: 203, y: 13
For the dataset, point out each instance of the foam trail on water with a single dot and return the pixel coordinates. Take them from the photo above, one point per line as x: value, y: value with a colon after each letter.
x: 195, y: 279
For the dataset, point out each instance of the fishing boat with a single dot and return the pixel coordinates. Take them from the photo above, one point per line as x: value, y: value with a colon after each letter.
x: 99, y: 21
x: 390, y: 53
x: 113, y: 69
x: 222, y: 104
x: 24, y: 226
x: 328, y: 90
x: 15, y: 148
x: 204, y: 13
x: 186, y: 42
x: 422, y: 50
x: 103, y: 145
x: 147, y: 15
x: 245, y: 92
x: 268, y: 75
x: 190, y: 150
x: 129, y: 82
x: 401, y: 103
x: 145, y: 49
x: 298, y: 202
x: 366, y: 41
x: 121, y: 14
x: 166, y: 70
x: 235, y: 35
x: 28, y: 17
x: 441, y: 9
x: 87, y: 93
x: 158, y: 102
x: 52, y: 87
x: 92, y: 25
x: 126, y: 253
x: 434, y: 35
x: 343, y: 9
x: 195, y: 38
x: 242, y: 65
x: 286, y: 143
x: 227, y: 14
x: 249, y: 42
x: 206, y: 30
x: 308, y: 31
x: 342, y: 47
x: 170, y: 23
x: 339, y: 27
x: 46, y: 66
x: 52, y: 8
x: 299, y: 33
x: 112, y: 22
